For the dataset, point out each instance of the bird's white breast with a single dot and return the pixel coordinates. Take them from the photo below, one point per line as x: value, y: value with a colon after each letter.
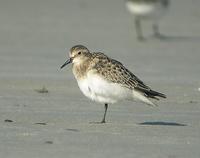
x: 100, y: 90
x: 146, y: 10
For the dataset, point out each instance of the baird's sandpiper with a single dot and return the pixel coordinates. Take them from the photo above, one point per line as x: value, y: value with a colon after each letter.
x: 106, y: 80
x: 151, y: 10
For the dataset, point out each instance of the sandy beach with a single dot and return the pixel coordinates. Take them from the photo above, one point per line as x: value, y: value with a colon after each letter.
x: 42, y: 111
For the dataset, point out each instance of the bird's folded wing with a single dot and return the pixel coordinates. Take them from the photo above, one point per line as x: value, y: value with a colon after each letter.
x: 114, y: 71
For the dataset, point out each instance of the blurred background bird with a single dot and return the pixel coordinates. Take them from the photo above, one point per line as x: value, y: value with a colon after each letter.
x: 152, y: 10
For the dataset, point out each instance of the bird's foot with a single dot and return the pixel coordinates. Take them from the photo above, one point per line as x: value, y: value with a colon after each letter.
x: 159, y: 36
x: 100, y: 122
x: 141, y: 38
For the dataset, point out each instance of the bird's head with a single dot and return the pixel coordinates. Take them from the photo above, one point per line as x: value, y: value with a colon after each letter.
x: 77, y: 55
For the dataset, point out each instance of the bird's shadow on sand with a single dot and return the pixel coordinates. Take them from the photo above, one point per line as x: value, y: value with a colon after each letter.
x: 176, y: 38
x: 162, y: 123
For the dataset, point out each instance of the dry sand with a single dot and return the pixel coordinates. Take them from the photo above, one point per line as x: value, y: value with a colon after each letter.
x: 43, y: 113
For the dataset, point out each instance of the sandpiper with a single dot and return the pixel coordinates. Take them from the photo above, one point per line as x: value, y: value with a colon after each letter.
x: 106, y: 80
x: 151, y: 10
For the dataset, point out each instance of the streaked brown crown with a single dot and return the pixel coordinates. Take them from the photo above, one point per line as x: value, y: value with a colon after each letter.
x: 78, y: 49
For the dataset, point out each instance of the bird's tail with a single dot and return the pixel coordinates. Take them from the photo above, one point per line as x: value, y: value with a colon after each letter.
x: 154, y: 94
x: 141, y: 97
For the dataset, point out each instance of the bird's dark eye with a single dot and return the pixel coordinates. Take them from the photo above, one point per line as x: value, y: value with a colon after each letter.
x: 79, y: 53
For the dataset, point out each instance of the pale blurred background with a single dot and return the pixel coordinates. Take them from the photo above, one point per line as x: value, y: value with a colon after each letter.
x: 35, y: 37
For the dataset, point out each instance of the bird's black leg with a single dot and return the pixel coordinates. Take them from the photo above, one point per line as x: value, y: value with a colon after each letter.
x: 104, y: 116
x: 156, y: 31
x: 138, y: 29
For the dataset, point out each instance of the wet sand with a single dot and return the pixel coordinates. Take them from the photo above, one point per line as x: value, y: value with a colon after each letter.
x: 43, y: 113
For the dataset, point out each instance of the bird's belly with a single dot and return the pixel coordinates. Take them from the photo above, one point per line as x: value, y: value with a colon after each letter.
x: 100, y: 90
x: 146, y: 11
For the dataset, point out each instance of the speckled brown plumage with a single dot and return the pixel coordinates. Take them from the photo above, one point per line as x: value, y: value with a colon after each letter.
x: 114, y: 71
x: 111, y: 70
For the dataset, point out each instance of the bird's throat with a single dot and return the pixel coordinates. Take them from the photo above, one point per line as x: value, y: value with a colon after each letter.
x: 80, y: 70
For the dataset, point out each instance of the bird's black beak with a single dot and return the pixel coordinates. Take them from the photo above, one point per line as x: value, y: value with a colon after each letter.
x: 66, y: 63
